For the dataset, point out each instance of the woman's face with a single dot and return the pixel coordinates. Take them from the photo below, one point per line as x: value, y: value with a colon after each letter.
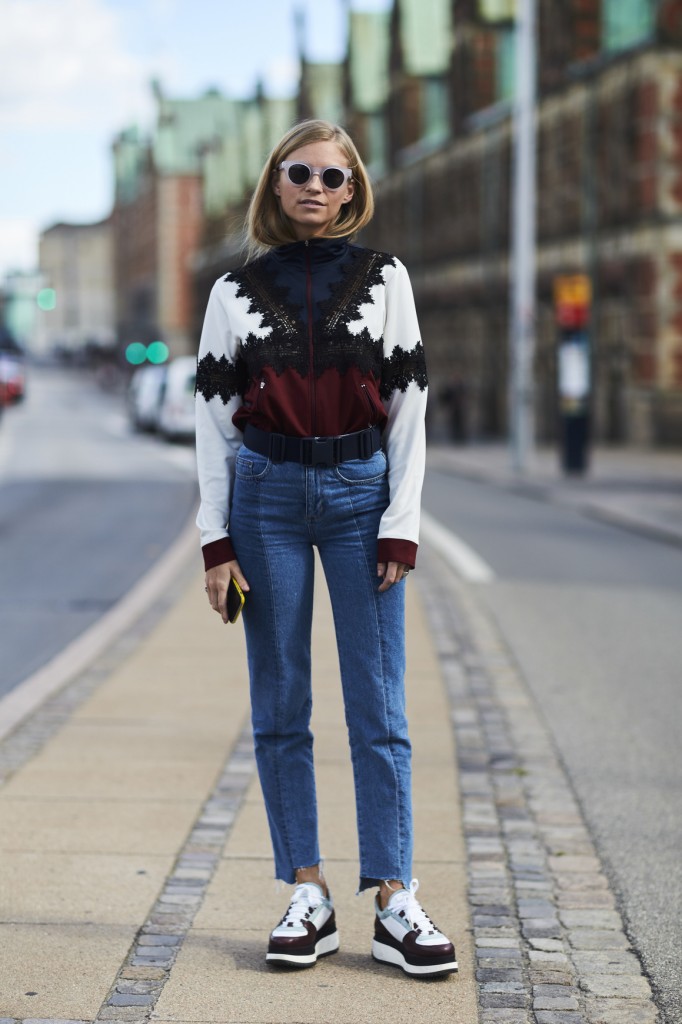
x: 312, y: 208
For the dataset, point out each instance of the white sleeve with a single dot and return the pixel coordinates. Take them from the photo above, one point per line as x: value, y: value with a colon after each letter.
x: 218, y: 396
x: 404, y: 390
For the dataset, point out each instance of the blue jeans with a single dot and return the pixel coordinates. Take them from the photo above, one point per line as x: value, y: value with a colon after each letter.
x: 280, y: 511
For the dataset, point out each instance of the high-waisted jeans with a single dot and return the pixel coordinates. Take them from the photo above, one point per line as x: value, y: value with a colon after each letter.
x: 280, y: 511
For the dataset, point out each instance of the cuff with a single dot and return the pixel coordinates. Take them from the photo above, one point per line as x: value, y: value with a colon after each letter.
x: 393, y: 550
x: 218, y: 552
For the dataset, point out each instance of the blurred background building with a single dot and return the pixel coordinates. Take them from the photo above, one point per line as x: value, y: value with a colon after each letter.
x: 426, y: 90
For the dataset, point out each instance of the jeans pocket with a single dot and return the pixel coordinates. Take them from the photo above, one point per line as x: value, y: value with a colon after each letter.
x: 250, y: 465
x: 363, y: 471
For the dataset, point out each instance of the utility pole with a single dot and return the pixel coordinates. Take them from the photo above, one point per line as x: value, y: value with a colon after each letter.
x: 522, y: 268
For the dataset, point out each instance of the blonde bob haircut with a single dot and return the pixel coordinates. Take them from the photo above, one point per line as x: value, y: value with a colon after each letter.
x: 267, y: 226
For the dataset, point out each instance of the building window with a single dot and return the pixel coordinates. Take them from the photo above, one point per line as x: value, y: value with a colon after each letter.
x: 626, y: 23
x: 435, y: 111
x: 505, y: 64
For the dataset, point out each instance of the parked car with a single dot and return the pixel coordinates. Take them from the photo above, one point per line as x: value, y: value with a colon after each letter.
x: 145, y: 395
x: 12, y: 370
x: 176, y: 420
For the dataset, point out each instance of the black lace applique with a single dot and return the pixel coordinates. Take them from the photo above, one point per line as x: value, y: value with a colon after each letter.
x: 335, y: 345
x: 220, y: 377
x: 283, y: 347
x: 401, y: 369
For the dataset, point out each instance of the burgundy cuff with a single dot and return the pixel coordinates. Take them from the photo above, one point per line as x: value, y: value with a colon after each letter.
x: 218, y: 552
x: 393, y: 550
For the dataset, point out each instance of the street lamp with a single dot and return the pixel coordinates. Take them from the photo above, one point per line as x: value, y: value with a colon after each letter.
x: 522, y: 267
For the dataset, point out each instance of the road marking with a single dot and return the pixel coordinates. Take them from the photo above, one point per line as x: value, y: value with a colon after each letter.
x: 463, y: 559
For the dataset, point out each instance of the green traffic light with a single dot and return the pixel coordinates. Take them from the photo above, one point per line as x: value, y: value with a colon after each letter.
x: 46, y: 299
x: 136, y: 353
x: 157, y: 352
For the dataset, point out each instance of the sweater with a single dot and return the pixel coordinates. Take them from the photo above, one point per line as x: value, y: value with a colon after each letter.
x: 315, y: 338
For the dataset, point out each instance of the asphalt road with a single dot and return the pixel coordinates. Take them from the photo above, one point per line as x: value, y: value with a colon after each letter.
x: 86, y: 507
x: 593, y: 615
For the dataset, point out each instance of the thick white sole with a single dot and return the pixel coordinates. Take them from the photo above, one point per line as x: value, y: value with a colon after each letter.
x: 323, y: 947
x: 389, y: 955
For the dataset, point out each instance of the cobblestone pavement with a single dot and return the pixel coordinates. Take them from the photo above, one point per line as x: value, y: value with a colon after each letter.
x: 550, y: 942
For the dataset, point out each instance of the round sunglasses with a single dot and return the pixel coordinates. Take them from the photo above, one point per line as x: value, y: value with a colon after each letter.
x: 300, y: 174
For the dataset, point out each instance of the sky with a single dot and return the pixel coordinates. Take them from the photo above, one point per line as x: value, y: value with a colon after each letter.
x: 76, y: 72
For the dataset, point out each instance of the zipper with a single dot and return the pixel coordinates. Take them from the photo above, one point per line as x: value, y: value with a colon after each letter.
x: 370, y: 403
x: 261, y: 388
x: 311, y: 349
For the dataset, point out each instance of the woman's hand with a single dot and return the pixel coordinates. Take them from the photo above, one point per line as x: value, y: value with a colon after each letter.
x: 392, y: 572
x: 217, y: 582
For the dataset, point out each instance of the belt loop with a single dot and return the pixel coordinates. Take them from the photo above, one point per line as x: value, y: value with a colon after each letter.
x: 365, y: 439
x: 277, y: 447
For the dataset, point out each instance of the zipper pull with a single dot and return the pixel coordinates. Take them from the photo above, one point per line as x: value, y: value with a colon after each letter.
x: 262, y: 384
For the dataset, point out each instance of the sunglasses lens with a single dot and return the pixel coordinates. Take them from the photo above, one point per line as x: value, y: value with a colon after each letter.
x: 299, y: 174
x: 333, y: 177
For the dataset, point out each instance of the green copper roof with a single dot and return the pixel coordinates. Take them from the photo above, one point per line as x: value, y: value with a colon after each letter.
x: 369, y: 41
x: 183, y: 126
x: 325, y: 90
x: 426, y: 35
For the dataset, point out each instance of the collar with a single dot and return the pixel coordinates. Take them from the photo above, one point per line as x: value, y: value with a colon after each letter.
x: 322, y: 250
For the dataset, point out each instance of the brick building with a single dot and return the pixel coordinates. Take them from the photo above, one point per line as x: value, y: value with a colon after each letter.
x: 609, y: 204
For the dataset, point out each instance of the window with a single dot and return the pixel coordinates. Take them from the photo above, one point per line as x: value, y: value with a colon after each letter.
x: 626, y: 23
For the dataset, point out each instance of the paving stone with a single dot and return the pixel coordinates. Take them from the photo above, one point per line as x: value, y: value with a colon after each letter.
x: 484, y: 921
x: 621, y: 1011
x: 551, y: 991
x: 155, y: 951
x: 604, y: 920
x: 160, y: 940
x: 491, y: 974
x: 497, y: 943
x: 506, y: 953
x: 504, y: 1016
x: 555, y: 1003
x: 547, y: 977
x: 548, y: 945
x: 151, y: 973
x: 536, y: 908
x: 538, y: 956
x: 503, y: 986
x: 616, y: 961
x: 506, y: 1000
x: 588, y: 938
x: 558, y: 1017
x: 132, y: 999
x: 497, y: 963
x: 627, y: 985
x: 593, y: 899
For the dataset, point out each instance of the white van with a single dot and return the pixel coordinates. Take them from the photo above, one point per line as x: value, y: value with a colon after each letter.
x: 176, y: 419
x: 145, y: 394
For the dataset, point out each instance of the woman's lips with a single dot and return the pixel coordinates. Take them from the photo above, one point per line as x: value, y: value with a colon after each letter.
x: 310, y: 202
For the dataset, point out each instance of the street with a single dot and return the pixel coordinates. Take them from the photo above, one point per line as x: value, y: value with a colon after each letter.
x: 86, y: 507
x: 588, y: 612
x: 592, y: 616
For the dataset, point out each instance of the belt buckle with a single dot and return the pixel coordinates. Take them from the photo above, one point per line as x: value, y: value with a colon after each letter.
x: 318, y: 451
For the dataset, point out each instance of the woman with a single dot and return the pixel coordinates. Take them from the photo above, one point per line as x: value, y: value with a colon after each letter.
x: 311, y: 392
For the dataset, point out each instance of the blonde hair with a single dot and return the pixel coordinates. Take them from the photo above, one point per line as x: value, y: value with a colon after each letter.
x: 267, y: 226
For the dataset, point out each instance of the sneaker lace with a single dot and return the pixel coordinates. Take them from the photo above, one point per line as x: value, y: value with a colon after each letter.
x: 405, y: 903
x: 306, y: 898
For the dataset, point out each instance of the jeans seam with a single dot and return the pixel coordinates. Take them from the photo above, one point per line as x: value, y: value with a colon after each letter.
x: 278, y: 698
x: 382, y: 661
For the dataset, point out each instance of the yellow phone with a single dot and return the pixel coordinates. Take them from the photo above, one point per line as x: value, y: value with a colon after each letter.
x: 235, y: 600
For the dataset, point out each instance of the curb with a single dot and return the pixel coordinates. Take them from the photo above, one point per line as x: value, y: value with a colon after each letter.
x: 28, y: 695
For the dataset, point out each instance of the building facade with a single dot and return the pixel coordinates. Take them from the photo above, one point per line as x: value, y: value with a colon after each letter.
x: 77, y: 263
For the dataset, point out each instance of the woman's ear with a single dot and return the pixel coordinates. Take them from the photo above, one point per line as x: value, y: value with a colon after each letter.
x: 275, y: 183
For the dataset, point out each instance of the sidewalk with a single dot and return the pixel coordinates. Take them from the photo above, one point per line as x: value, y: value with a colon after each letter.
x: 636, y: 489
x: 133, y: 839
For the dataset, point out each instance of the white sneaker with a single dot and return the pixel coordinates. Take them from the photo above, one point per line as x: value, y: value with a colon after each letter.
x: 406, y: 937
x: 307, y: 930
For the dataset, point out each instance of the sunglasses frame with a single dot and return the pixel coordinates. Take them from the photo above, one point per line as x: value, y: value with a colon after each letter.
x: 286, y: 165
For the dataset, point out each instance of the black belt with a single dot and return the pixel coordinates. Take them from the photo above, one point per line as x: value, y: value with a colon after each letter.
x: 313, y: 451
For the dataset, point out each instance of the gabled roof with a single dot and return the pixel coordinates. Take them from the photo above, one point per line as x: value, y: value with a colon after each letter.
x: 368, y: 56
x: 426, y: 36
